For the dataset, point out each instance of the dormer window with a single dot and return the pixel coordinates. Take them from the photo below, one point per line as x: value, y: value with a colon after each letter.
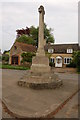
x: 50, y: 50
x: 69, y: 50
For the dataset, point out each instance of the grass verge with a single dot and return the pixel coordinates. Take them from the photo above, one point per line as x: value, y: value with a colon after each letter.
x: 13, y: 67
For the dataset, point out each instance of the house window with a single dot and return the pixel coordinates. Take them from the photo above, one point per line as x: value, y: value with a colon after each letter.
x: 69, y: 50
x: 50, y: 50
x: 52, y: 60
x: 67, y: 60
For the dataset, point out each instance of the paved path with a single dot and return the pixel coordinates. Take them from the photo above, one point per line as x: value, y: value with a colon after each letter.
x: 70, y: 110
x: 35, y: 103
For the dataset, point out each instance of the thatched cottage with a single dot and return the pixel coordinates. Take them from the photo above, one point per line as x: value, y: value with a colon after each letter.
x: 61, y: 54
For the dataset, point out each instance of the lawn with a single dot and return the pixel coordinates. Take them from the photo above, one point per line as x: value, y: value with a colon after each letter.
x: 13, y: 67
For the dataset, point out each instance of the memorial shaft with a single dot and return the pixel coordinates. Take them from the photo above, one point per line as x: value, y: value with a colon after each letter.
x: 41, y: 31
x: 40, y: 63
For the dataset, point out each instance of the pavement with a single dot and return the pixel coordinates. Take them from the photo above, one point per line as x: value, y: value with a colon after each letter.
x: 70, y: 110
x: 25, y: 102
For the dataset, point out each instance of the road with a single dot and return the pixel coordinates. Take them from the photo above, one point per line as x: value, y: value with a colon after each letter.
x: 39, y: 102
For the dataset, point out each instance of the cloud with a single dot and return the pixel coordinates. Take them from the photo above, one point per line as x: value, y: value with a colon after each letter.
x: 61, y: 16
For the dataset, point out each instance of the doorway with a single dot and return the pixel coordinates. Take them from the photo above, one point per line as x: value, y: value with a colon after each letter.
x: 58, y: 61
x: 14, y: 60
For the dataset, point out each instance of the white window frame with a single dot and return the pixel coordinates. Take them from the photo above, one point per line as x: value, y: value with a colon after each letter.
x: 66, y: 60
x: 53, y: 60
x: 69, y: 50
x: 50, y: 50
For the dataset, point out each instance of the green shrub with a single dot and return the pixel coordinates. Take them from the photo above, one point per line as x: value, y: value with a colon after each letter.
x: 5, y: 57
x: 27, y: 57
x: 76, y: 59
x: 78, y: 69
x: 26, y: 39
x: 72, y: 64
x: 51, y: 64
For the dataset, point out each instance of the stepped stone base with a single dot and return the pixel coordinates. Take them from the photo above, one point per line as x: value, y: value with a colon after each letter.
x: 40, y: 81
x: 40, y: 75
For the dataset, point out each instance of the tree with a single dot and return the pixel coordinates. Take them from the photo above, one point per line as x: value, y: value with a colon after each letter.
x: 76, y: 59
x: 47, y: 34
x: 31, y: 37
x: 23, y: 31
x: 34, y: 34
x: 26, y: 39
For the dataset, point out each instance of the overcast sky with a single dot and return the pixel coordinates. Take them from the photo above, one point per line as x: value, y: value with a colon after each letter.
x: 60, y: 15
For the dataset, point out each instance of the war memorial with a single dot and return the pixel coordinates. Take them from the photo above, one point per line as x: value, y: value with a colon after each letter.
x: 40, y: 75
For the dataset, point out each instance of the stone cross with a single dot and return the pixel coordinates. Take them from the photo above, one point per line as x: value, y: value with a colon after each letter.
x: 40, y: 63
x: 40, y: 51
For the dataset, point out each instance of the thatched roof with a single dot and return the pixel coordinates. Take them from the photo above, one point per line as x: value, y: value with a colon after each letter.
x: 62, y: 48
x: 25, y: 47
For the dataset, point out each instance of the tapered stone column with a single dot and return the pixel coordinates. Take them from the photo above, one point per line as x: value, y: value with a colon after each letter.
x: 41, y: 51
x: 40, y: 63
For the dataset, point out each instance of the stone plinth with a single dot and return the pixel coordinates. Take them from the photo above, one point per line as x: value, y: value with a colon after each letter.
x: 40, y: 64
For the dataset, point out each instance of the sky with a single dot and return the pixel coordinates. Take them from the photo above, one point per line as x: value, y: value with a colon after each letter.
x: 60, y: 15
